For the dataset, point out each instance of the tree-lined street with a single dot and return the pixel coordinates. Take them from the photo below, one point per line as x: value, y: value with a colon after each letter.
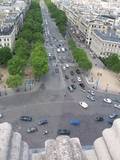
x: 53, y: 101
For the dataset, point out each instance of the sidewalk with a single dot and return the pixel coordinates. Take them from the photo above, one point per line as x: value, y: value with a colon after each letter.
x: 24, y: 89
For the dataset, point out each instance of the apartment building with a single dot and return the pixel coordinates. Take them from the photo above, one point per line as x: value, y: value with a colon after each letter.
x: 106, y: 43
x: 11, y: 21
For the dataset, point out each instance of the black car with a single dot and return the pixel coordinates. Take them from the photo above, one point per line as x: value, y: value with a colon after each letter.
x: 43, y: 122
x: 63, y: 132
x: 66, y: 77
x: 77, y: 71
x: 73, y: 86
x: 72, y: 73
x: 26, y: 118
x: 82, y: 85
x: 99, y: 118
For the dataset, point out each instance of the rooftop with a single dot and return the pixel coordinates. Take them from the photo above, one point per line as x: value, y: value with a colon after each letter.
x: 110, y: 35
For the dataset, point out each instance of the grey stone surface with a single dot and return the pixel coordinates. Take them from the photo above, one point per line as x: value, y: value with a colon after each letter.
x: 106, y: 147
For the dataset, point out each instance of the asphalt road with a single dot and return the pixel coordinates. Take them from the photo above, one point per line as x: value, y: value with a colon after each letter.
x: 50, y: 103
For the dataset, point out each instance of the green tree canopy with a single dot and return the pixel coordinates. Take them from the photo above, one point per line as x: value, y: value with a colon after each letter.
x: 16, y: 65
x: 80, y: 56
x: 112, y: 62
x: 14, y: 81
x: 5, y: 55
x: 39, y: 60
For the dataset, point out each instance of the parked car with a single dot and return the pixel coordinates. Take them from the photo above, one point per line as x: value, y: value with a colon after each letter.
x: 107, y: 100
x: 26, y: 118
x: 1, y: 115
x: 58, y: 50
x: 79, y: 79
x: 113, y: 115
x: 43, y: 122
x: 70, y: 88
x: 66, y: 77
x: 77, y: 71
x: 75, y: 122
x: 63, y: 132
x: 72, y: 73
x: 82, y: 85
x: 99, y: 118
x: 91, y: 92
x: 73, y: 80
x: 83, y: 104
x: 117, y: 106
x: 64, y: 68
x: 67, y: 65
x: 73, y: 86
x: 45, y: 132
x: 91, y: 98
x: 110, y: 121
x: 63, y: 49
x: 32, y: 129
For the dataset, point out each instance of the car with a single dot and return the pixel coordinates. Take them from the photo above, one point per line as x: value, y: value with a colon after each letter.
x: 63, y: 49
x: 107, y: 100
x: 43, y: 122
x: 56, y: 70
x: 110, y: 121
x: 73, y: 86
x: 67, y: 65
x: 49, y: 54
x: 82, y: 85
x: 99, y: 118
x: 83, y: 104
x: 77, y: 71
x: 64, y: 68
x: 26, y: 118
x: 91, y: 92
x: 79, y: 79
x: 117, y: 106
x: 1, y: 115
x: 75, y: 122
x: 113, y: 116
x: 72, y: 80
x: 32, y: 129
x: 90, y: 98
x: 70, y: 88
x: 58, y: 50
x: 72, y: 73
x: 63, y: 132
x: 45, y: 132
x: 66, y: 77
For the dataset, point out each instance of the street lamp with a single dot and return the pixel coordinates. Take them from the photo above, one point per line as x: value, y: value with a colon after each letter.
x: 97, y: 82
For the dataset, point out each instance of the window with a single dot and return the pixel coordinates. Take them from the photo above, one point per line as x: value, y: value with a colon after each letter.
x: 0, y: 39
x: 7, y: 44
x: 7, y: 39
x: 4, y: 44
x: 4, y: 39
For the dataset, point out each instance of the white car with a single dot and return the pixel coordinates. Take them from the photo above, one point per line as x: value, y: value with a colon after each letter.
x: 117, y: 106
x: 1, y: 115
x: 107, y: 100
x: 67, y: 65
x: 49, y: 54
x: 79, y: 79
x: 58, y: 50
x: 83, y: 104
x: 63, y: 49
x: 64, y: 68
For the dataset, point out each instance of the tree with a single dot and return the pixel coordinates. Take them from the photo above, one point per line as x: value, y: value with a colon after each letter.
x: 112, y: 62
x: 39, y: 60
x: 5, y: 55
x: 14, y: 81
x: 16, y: 65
